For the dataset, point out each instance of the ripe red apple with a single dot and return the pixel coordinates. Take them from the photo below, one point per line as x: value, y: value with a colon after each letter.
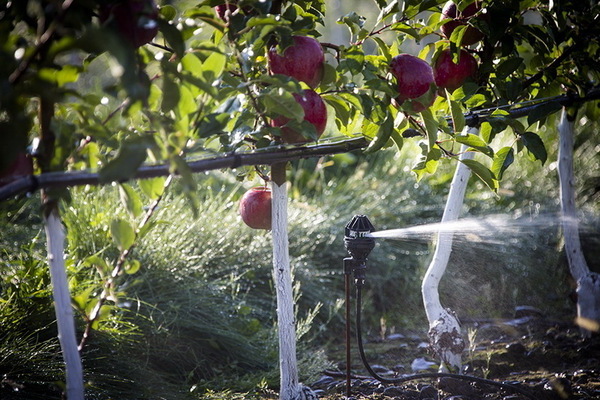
x: 136, y: 20
x: 315, y: 112
x: 451, y: 76
x: 450, y: 10
x: 255, y: 208
x: 21, y: 166
x: 415, y: 82
x: 303, y: 60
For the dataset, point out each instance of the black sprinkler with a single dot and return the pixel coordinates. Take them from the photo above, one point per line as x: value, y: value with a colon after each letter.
x: 359, y: 245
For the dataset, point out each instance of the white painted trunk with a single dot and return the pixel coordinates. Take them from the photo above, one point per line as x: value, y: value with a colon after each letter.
x: 444, y: 328
x: 55, y: 238
x: 588, y: 283
x: 282, y: 275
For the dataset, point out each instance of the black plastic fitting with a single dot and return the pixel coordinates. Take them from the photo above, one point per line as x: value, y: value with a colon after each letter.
x: 359, y: 245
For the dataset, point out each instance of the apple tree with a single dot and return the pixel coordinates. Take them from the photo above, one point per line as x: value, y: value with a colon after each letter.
x: 108, y: 86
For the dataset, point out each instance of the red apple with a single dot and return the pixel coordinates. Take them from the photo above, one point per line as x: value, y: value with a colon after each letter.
x: 20, y: 167
x: 303, y: 60
x: 451, y: 76
x: 255, y: 208
x: 415, y: 82
x: 450, y: 10
x: 315, y: 112
x: 136, y: 20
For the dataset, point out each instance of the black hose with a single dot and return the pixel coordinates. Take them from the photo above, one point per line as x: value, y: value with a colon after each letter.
x: 423, y: 375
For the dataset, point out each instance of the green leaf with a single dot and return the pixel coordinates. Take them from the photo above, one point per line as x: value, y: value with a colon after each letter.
x: 476, y: 142
x: 173, y: 36
x: 483, y: 173
x: 153, y: 187
x: 130, y: 156
x: 502, y: 160
x: 431, y: 126
x: 354, y: 21
x: 187, y: 103
x: 122, y: 233
x: 508, y: 66
x: 541, y: 111
x: 130, y: 199
x: 458, y: 34
x: 132, y: 266
x: 383, y: 135
x: 192, y: 64
x: 397, y: 138
x: 535, y: 146
x: 213, y: 66
x: 168, y: 12
x: 409, y: 30
x: 281, y: 102
x: 458, y: 117
x: 171, y: 94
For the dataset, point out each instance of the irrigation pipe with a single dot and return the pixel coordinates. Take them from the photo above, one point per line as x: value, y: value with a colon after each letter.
x: 271, y: 156
x: 267, y: 156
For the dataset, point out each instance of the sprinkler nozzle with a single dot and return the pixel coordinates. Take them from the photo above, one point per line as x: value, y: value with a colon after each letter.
x: 357, y: 240
x: 359, y: 244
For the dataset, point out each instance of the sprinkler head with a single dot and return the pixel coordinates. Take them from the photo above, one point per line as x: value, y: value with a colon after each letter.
x: 357, y: 240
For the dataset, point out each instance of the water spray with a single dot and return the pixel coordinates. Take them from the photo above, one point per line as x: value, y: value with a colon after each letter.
x: 359, y: 242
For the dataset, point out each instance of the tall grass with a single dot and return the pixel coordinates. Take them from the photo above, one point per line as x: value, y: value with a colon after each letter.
x: 199, y: 315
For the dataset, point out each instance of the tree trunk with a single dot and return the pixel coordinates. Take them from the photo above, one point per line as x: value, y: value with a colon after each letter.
x: 588, y: 283
x: 55, y: 238
x: 444, y: 328
x: 282, y: 275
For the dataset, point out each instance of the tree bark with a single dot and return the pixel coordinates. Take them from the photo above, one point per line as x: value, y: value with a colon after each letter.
x: 588, y: 283
x: 55, y: 238
x: 444, y: 328
x: 282, y: 275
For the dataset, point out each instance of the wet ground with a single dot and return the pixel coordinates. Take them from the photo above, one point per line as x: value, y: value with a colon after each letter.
x: 531, y: 356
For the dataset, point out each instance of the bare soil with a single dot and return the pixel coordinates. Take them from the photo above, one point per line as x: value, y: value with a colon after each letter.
x: 548, y: 360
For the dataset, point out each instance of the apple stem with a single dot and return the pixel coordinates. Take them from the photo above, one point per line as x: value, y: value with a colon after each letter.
x: 588, y: 283
x: 443, y: 324
x: 282, y: 276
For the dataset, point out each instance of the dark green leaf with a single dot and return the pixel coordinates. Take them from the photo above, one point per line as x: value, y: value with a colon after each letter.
x: 502, y: 160
x: 383, y: 135
x: 173, y: 36
x: 130, y: 156
x: 508, y: 66
x: 535, y: 146
x: 171, y: 94
x: 483, y: 173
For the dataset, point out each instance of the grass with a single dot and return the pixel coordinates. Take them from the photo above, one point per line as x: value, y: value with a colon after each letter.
x: 197, y: 321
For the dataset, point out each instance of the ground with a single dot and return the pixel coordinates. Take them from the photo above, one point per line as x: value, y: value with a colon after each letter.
x: 547, y: 360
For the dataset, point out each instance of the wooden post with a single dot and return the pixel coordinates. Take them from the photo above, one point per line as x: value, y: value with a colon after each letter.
x: 282, y: 275
x: 444, y: 328
x: 588, y: 283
